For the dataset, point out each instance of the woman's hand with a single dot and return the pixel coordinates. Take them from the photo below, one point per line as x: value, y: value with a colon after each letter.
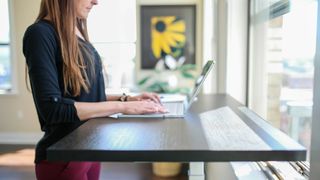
x: 146, y: 96
x: 143, y: 107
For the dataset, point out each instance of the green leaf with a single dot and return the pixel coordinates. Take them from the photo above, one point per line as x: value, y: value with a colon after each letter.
x: 153, y: 89
x: 174, y: 91
x: 184, y: 90
x: 187, y: 67
x: 187, y: 75
x: 157, y: 71
x: 181, y: 90
x: 159, y: 87
x: 144, y: 80
x: 177, y: 53
x: 180, y: 44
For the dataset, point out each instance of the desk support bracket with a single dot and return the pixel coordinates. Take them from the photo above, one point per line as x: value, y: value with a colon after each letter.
x: 196, y: 171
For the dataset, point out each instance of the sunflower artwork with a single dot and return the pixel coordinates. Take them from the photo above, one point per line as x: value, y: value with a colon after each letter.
x: 168, y: 40
x: 167, y: 48
x: 167, y: 36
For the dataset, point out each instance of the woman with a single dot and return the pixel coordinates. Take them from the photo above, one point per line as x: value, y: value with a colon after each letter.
x: 67, y: 84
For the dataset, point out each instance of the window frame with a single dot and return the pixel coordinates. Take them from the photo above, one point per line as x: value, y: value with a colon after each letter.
x: 272, y: 11
x: 315, y: 143
x: 12, y: 55
x: 268, y: 13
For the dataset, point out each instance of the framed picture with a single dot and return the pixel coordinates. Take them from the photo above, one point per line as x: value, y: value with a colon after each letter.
x: 167, y: 36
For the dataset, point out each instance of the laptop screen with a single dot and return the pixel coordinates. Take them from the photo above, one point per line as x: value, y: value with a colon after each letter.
x: 199, y: 81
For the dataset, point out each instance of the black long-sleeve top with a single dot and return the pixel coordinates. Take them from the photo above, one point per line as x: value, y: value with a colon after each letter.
x: 56, y: 111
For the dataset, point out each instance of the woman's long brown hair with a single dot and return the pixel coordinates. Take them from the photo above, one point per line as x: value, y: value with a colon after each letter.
x: 63, y: 17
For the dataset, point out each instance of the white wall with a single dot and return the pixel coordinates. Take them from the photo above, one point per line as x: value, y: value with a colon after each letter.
x: 221, y: 23
x: 17, y: 112
x: 112, y: 30
x: 230, y: 45
x: 237, y: 49
x: 209, y: 49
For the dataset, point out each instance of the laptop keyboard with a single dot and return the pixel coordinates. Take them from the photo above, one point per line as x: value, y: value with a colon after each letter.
x: 174, y: 108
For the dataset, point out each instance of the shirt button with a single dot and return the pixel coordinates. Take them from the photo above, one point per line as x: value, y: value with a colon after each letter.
x: 55, y: 99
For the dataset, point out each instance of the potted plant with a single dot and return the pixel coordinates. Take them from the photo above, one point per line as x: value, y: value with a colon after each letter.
x: 166, y: 169
x: 167, y: 81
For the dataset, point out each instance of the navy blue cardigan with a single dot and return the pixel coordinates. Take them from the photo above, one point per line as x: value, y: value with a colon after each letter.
x: 56, y: 111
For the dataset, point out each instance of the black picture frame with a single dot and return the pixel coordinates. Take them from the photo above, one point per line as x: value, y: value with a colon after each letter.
x: 187, y: 48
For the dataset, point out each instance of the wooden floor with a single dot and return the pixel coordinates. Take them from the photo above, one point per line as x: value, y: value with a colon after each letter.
x: 109, y: 171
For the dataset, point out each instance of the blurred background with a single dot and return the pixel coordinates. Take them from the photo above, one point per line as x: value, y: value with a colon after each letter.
x: 264, y: 52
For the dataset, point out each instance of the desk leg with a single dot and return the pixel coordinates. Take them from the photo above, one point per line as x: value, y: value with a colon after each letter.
x: 196, y: 171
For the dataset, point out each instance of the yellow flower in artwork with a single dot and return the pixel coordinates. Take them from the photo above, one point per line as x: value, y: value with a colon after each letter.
x: 166, y: 32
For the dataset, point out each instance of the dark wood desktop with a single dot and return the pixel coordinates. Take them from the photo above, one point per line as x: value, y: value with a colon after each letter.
x: 174, y: 139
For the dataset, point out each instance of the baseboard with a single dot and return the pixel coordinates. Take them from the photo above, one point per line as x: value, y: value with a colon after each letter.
x: 20, y: 138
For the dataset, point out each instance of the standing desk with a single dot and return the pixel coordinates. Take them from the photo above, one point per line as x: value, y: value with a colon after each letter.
x: 178, y: 139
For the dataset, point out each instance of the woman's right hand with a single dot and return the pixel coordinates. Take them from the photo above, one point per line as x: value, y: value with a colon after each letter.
x: 143, y: 107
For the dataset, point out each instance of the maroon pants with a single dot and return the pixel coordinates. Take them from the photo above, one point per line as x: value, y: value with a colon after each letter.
x: 67, y: 170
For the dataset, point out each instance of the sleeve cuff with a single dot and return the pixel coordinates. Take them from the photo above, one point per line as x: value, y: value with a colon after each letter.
x: 56, y: 99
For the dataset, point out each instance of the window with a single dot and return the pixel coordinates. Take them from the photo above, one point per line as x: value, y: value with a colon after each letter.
x: 5, y: 63
x: 282, y: 50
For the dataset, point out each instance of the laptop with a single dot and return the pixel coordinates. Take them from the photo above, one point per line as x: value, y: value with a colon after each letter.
x: 177, y: 105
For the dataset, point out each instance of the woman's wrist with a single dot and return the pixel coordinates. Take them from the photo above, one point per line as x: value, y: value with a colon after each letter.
x: 121, y: 107
x: 117, y: 98
x: 131, y: 98
x: 123, y: 98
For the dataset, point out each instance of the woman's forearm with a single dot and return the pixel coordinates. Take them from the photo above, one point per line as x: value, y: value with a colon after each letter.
x: 86, y: 110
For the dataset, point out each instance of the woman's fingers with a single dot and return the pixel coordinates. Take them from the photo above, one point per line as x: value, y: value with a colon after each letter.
x: 144, y: 107
x: 148, y: 96
x: 153, y: 96
x: 155, y: 107
x: 157, y: 98
x: 161, y: 109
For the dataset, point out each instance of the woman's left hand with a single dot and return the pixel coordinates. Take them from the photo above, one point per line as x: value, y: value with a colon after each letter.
x: 146, y: 96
